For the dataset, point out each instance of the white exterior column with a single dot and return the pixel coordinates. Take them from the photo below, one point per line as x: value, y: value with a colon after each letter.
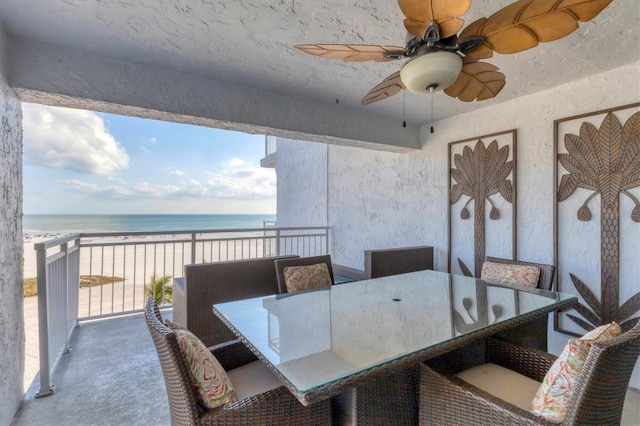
x: 11, y: 251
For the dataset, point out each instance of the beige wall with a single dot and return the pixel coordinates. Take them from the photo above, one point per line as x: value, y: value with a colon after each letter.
x: 381, y: 199
x: 11, y: 317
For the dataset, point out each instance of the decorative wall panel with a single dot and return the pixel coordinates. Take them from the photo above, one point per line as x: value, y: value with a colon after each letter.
x: 597, y: 216
x: 482, y: 195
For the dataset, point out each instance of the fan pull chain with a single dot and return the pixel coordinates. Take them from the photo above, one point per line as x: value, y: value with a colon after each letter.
x: 404, y: 108
x: 431, y: 91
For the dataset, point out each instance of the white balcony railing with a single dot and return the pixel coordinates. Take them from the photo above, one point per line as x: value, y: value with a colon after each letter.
x: 93, y: 275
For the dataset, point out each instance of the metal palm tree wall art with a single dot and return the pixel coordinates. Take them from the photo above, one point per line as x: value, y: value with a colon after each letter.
x: 602, y: 159
x: 482, y: 178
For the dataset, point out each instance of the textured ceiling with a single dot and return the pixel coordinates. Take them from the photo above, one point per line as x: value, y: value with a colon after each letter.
x: 249, y: 42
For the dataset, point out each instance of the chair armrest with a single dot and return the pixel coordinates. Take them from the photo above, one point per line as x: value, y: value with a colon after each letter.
x: 449, y: 400
x: 275, y: 407
x: 532, y: 363
x: 232, y: 354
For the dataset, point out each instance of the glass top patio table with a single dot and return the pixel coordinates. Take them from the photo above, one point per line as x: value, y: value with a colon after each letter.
x: 319, y: 342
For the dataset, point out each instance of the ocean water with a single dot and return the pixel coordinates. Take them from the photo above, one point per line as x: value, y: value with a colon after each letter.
x: 57, y: 225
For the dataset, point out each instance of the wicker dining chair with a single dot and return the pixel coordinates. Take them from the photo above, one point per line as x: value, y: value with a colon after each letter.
x: 399, y: 260
x: 534, y: 334
x: 598, y: 395
x: 273, y: 407
x: 547, y: 272
x: 300, y: 261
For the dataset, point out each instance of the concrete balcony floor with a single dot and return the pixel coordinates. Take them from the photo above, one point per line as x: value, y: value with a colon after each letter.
x: 112, y: 376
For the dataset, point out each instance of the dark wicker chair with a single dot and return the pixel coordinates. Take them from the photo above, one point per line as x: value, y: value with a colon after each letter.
x: 598, y: 396
x: 547, y: 272
x: 532, y: 335
x: 206, y: 284
x: 274, y: 407
x: 393, y: 261
x: 300, y: 261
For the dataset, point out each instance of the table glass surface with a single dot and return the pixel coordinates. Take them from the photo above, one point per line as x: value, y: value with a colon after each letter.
x: 314, y: 338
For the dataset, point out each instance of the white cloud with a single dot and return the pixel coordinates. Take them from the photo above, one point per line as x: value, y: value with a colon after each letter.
x: 72, y: 139
x: 144, y: 189
x: 144, y: 149
x: 244, y: 183
x: 235, y: 161
x: 78, y: 185
x: 176, y: 172
x: 231, y: 183
x: 153, y: 141
x: 115, y: 179
x: 91, y: 188
x: 139, y: 190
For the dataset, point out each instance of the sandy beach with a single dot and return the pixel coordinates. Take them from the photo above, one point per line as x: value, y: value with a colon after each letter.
x: 133, y: 260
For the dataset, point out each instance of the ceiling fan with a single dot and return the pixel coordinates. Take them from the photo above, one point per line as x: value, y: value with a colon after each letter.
x: 440, y: 59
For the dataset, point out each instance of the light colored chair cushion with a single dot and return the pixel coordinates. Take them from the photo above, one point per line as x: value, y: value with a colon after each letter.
x: 504, y: 273
x: 502, y: 383
x: 213, y: 385
x: 252, y: 379
x: 552, y: 399
x: 299, y: 278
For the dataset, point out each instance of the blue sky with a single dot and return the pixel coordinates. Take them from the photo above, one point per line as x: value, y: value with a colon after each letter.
x: 78, y: 161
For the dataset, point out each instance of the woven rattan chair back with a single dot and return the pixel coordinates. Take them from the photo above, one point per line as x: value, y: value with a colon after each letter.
x: 600, y: 392
x: 533, y: 334
x: 300, y: 261
x: 400, y: 260
x: 180, y: 389
x: 547, y: 272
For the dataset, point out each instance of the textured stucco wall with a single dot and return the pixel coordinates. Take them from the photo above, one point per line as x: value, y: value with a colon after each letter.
x: 301, y: 168
x: 11, y: 316
x: 380, y: 199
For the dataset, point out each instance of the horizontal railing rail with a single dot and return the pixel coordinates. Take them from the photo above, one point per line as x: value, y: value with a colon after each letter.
x: 101, y: 274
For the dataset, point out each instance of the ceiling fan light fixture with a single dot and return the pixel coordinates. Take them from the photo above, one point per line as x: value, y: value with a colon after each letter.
x: 432, y: 71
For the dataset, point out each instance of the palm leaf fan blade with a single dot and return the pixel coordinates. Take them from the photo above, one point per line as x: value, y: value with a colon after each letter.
x: 526, y: 23
x: 388, y: 87
x: 477, y: 81
x: 446, y: 13
x: 352, y: 52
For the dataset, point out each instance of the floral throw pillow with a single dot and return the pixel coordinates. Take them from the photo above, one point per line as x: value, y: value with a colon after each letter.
x: 213, y: 385
x: 555, y: 392
x: 504, y: 273
x: 299, y: 278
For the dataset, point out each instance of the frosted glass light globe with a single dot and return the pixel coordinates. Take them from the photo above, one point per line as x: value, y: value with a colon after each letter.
x: 434, y: 69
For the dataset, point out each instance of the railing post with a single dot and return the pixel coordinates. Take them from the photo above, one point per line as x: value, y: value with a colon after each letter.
x: 193, y: 248
x: 46, y: 388
x: 64, y: 248
x: 74, y: 284
x: 326, y: 240
x: 278, y: 242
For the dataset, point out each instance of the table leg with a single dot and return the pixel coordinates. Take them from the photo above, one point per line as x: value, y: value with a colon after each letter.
x: 391, y: 399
